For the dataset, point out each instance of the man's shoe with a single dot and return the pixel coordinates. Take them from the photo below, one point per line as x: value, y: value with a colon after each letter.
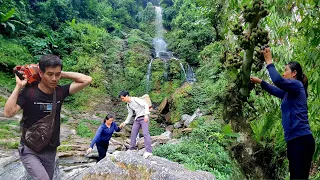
x: 147, y: 154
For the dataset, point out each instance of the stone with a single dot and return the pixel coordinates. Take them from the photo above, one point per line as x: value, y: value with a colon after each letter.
x: 185, y: 117
x: 161, y: 139
x: 177, y: 133
x: 129, y: 165
x: 195, y: 115
x: 163, y: 108
x: 170, y: 128
x: 177, y: 125
x: 187, y: 130
x: 168, y: 117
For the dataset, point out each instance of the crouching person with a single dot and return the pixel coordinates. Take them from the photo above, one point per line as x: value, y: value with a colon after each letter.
x: 103, y: 136
x: 41, y: 104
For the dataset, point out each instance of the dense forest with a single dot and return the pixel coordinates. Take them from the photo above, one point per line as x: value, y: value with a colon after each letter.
x: 112, y: 41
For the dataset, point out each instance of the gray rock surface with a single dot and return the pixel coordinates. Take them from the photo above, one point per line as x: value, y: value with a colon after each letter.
x: 129, y: 165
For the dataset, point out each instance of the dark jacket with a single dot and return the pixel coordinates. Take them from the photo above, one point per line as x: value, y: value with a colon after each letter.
x: 294, y: 106
x: 104, y: 133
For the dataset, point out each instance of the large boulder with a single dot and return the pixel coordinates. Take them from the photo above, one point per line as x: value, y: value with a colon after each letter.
x: 163, y: 108
x: 157, y: 140
x: 129, y: 165
x: 12, y: 168
x: 189, y: 119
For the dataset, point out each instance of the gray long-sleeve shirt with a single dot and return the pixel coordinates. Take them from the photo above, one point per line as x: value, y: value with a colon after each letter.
x: 138, y: 105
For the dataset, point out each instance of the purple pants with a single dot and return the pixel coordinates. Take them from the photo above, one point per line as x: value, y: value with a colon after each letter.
x: 145, y: 130
x: 40, y: 166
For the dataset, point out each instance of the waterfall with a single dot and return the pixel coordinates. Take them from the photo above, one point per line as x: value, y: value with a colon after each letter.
x: 184, y: 71
x: 160, y: 46
x: 161, y: 52
x: 190, y: 77
x: 148, y: 88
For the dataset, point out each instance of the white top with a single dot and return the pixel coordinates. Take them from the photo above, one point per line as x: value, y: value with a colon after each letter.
x: 138, y: 105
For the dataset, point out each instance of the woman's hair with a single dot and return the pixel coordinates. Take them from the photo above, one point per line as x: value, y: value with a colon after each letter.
x: 295, y: 66
x: 108, y: 117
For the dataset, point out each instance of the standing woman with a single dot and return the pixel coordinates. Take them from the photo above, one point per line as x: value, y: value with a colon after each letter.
x: 292, y: 89
x: 103, y: 136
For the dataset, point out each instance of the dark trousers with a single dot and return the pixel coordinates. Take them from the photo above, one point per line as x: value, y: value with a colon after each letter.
x: 102, y: 149
x: 300, y: 151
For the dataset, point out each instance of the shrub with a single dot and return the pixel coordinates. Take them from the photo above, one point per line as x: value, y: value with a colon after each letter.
x: 200, y: 152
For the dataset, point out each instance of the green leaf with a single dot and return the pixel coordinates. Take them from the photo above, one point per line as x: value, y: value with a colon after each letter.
x: 17, y: 22
x: 12, y: 26
x: 8, y: 15
x: 227, y: 129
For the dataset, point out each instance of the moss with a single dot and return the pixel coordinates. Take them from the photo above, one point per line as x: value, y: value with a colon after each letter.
x: 9, y: 129
x: 64, y: 120
x: 181, y: 103
x: 2, y: 101
x: 200, y: 121
x: 155, y: 128
x: 10, y: 145
x: 134, y: 172
x: 64, y: 148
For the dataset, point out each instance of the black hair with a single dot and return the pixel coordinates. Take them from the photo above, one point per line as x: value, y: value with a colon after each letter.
x: 295, y: 66
x: 108, y: 117
x: 124, y: 93
x: 49, y: 60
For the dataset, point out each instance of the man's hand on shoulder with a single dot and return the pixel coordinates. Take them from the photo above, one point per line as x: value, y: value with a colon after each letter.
x: 80, y: 81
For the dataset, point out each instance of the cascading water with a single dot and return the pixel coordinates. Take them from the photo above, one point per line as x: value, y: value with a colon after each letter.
x: 149, y: 76
x: 184, y: 71
x: 160, y: 47
x: 190, y: 76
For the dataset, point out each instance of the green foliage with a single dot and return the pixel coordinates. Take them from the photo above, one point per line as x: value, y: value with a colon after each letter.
x: 206, y: 96
x: 7, y: 80
x: 148, y: 14
x: 37, y: 46
x: 10, y: 145
x: 155, y: 129
x: 161, y: 72
x: 9, y: 129
x: 2, y: 101
x: 130, y: 68
x: 165, y: 90
x: 190, y: 32
x: 64, y: 119
x: 83, y: 130
x: 8, y: 22
x: 200, y: 152
x: 54, y: 12
x: 12, y: 54
x: 64, y: 148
